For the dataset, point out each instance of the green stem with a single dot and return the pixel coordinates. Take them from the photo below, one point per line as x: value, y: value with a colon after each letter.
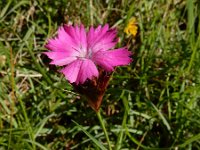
x: 104, y: 129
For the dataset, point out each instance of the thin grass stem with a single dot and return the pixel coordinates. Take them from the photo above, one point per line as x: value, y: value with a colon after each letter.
x: 104, y: 129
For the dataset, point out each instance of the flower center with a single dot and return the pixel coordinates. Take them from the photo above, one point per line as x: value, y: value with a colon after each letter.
x: 85, y: 53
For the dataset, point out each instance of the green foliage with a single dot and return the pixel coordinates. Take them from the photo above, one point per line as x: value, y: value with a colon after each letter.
x: 151, y: 104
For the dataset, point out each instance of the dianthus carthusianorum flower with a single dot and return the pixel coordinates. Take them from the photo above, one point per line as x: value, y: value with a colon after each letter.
x: 82, y: 53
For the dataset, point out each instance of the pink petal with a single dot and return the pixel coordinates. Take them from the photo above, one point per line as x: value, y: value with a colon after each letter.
x: 101, y: 38
x: 90, y: 35
x: 87, y: 71
x: 103, y: 45
x: 70, y: 30
x: 72, y: 70
x: 95, y: 34
x: 60, y: 58
x: 57, y: 54
x: 63, y: 42
x: 78, y: 35
x: 64, y: 37
x: 80, y: 70
x: 83, y: 37
x: 109, y: 59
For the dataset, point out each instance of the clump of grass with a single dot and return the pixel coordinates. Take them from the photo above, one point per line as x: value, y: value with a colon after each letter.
x: 153, y: 103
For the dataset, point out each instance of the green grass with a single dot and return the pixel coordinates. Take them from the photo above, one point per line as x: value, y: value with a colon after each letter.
x: 152, y: 104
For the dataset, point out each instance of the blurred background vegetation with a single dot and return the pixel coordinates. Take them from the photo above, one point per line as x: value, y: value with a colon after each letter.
x: 153, y: 103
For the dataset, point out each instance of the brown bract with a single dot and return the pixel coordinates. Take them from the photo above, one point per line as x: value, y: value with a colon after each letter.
x: 94, y: 89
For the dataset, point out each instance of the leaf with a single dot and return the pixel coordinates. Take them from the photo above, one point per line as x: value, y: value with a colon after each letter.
x: 98, y: 143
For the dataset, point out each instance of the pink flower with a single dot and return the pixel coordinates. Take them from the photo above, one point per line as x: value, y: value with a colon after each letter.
x: 80, y: 52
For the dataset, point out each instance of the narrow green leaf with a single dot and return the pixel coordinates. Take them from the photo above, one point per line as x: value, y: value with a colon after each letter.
x: 98, y: 143
x: 162, y: 117
x: 192, y: 139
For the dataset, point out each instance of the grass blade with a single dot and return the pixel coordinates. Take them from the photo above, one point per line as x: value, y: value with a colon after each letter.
x: 99, y: 144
